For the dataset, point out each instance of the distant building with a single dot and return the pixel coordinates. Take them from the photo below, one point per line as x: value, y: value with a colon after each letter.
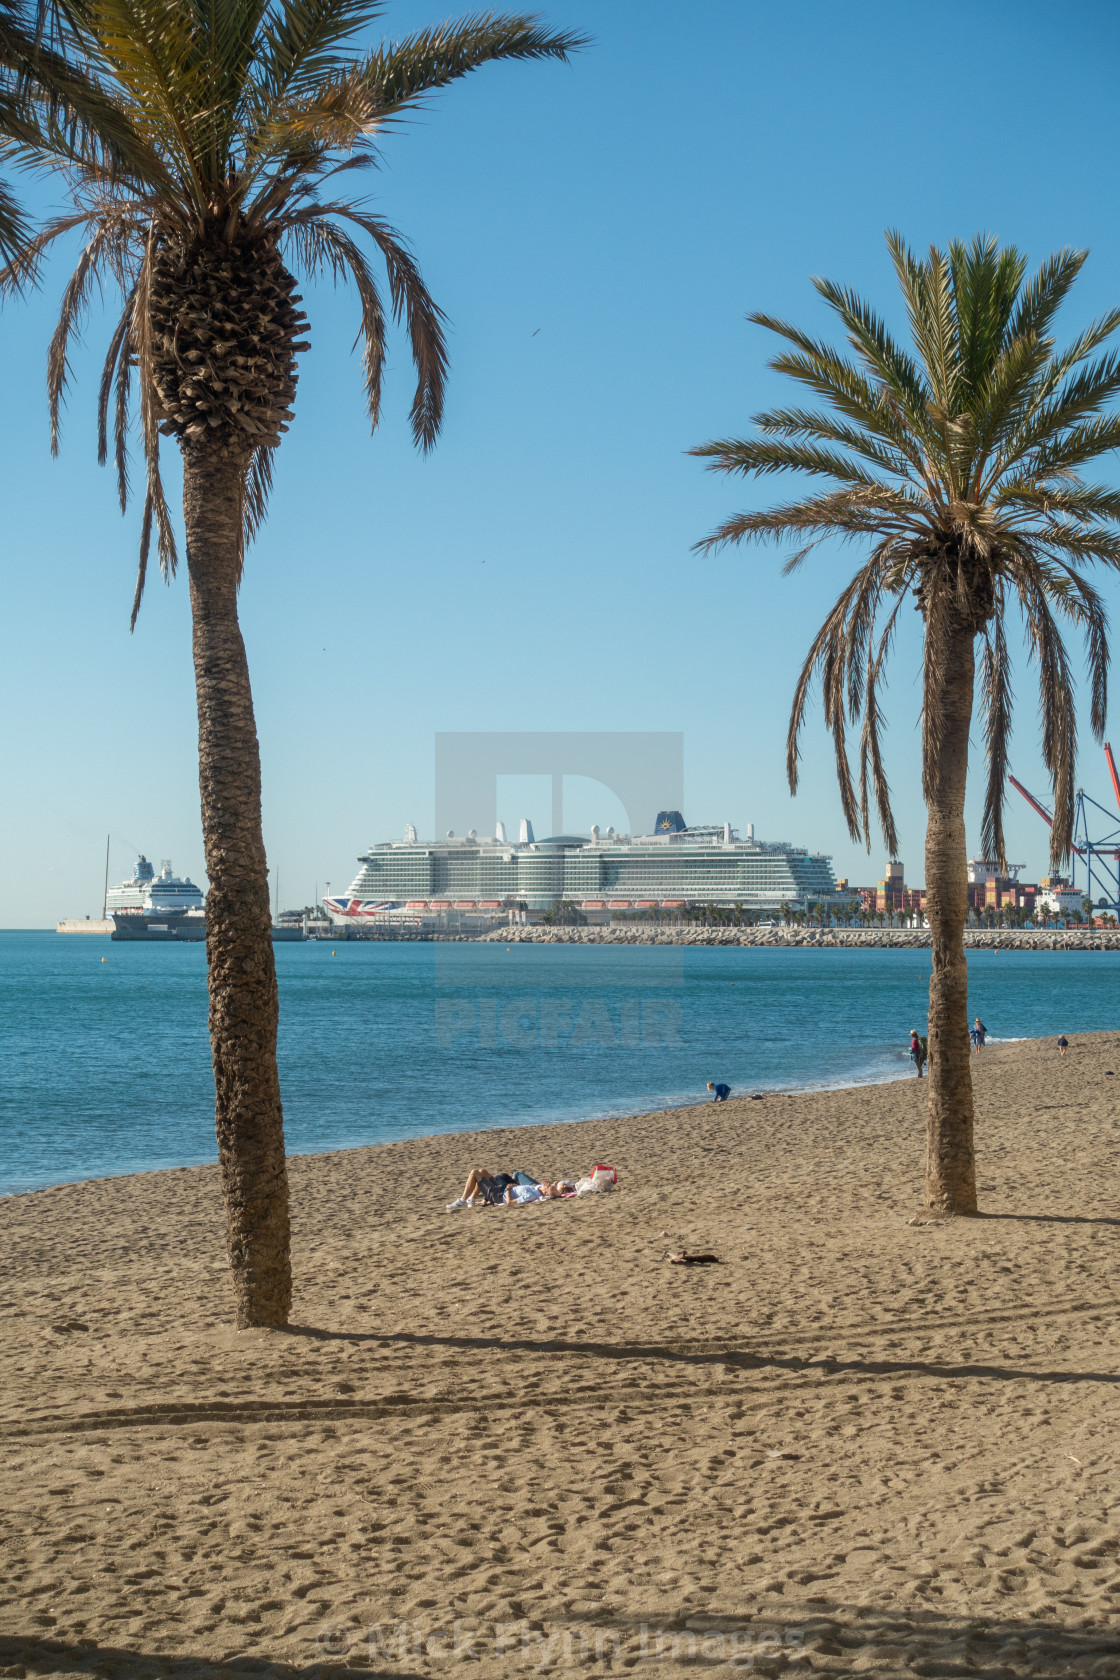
x: 993, y: 888
x: 892, y: 896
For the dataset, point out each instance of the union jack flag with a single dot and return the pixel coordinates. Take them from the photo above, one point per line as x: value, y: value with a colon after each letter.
x: 358, y: 907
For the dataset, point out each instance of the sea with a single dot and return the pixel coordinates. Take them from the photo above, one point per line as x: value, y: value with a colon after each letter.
x: 105, y: 1060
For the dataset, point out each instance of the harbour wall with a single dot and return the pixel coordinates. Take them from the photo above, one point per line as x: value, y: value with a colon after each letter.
x: 87, y: 924
x: 976, y: 939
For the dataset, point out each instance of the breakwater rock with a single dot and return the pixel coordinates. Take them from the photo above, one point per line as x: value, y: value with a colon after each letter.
x: 977, y: 939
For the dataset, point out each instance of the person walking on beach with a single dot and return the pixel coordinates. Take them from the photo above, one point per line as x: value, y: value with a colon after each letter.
x: 919, y: 1051
x: 720, y: 1093
x: 978, y: 1034
x: 1063, y: 1044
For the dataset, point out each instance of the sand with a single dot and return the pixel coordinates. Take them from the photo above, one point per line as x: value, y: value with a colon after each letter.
x: 514, y: 1442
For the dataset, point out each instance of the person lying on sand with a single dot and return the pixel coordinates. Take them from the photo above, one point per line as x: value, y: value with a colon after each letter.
x: 548, y: 1190
x: 483, y: 1186
x: 508, y: 1190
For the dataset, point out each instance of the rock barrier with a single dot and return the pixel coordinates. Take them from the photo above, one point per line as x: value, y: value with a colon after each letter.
x: 977, y: 939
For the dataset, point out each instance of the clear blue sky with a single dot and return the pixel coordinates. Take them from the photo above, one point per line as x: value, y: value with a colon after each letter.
x: 596, y: 235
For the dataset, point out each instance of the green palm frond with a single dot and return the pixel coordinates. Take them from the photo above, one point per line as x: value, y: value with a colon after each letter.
x: 15, y: 229
x: 396, y: 76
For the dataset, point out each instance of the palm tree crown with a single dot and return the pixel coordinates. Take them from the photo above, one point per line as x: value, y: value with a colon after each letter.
x: 235, y: 116
x: 959, y: 461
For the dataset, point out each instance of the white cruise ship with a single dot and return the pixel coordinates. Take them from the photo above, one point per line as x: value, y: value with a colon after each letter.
x: 148, y: 891
x: 151, y: 906
x: 167, y: 906
x: 674, y: 866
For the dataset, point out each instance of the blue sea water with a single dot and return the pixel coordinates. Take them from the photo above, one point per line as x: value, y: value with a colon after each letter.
x: 104, y: 1056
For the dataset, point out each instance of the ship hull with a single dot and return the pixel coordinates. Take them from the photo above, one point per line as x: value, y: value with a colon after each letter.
x: 185, y: 929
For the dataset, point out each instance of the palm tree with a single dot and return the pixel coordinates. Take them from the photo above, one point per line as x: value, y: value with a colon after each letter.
x: 957, y: 464
x: 240, y: 118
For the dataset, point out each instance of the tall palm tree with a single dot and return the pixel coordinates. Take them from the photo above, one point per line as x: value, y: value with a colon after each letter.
x: 241, y: 116
x: 957, y: 464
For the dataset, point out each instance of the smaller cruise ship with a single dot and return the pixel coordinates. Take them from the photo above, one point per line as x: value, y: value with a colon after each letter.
x: 151, y: 906
x: 167, y: 906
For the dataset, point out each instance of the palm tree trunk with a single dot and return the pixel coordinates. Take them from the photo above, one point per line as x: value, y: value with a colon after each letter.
x: 950, y: 1160
x: 244, y: 1006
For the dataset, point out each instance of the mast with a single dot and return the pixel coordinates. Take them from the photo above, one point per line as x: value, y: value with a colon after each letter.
x: 105, y: 900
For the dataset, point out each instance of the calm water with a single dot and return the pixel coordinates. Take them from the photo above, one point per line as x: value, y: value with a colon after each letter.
x: 104, y: 1065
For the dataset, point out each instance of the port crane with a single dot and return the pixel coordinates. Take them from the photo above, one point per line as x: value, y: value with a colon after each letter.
x: 1100, y: 855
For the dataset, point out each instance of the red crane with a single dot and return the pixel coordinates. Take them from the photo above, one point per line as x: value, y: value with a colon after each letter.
x: 1097, y: 875
x: 1111, y: 762
x: 1041, y: 809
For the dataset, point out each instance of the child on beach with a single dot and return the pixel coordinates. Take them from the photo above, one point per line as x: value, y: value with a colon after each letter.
x: 919, y: 1051
x: 1063, y: 1044
x: 720, y: 1092
x: 978, y: 1034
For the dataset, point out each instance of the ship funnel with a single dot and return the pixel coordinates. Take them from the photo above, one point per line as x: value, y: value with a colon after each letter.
x: 500, y: 832
x: 526, y: 832
x: 750, y: 831
x: 410, y: 834
x: 727, y: 834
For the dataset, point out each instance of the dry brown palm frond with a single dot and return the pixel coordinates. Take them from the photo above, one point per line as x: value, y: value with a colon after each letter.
x: 996, y: 708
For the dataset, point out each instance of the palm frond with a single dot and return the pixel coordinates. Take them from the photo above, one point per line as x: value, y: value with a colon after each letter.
x: 813, y: 423
x: 321, y: 247
x: 399, y: 74
x: 996, y: 707
x: 423, y: 317
x: 1042, y: 296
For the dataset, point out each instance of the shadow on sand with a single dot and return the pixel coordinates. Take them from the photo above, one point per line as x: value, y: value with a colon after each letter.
x: 728, y: 1357
x: 802, y: 1636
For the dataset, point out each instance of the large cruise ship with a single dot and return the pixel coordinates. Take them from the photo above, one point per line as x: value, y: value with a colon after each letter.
x: 670, y: 868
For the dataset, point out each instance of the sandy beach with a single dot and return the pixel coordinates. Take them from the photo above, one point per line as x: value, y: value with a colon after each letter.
x: 505, y: 1442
